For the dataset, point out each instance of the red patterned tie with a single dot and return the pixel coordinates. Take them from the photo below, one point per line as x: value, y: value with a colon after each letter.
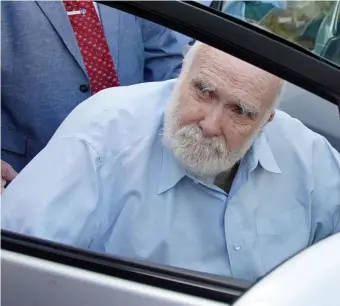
x: 92, y: 44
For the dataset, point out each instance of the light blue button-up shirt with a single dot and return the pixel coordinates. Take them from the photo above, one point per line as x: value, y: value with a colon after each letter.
x: 106, y: 182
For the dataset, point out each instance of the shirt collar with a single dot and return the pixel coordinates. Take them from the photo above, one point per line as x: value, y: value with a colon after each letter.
x: 261, y: 153
x: 172, y: 172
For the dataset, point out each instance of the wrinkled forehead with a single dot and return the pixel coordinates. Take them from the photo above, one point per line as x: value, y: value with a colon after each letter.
x: 229, y: 73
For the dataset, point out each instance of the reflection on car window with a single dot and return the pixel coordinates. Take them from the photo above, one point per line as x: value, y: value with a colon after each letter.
x: 199, y: 171
x: 310, y: 24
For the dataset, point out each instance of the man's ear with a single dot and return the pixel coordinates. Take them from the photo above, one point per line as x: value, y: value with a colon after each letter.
x: 272, y: 115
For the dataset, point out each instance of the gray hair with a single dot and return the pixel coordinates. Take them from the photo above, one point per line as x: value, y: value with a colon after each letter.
x: 189, y: 58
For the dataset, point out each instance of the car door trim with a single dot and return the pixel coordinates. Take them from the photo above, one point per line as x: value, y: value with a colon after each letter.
x: 217, y: 288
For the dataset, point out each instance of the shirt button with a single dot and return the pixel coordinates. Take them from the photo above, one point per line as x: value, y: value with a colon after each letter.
x: 84, y: 88
x: 237, y: 247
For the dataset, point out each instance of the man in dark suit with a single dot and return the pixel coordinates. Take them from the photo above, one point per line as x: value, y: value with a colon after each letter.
x: 49, y: 66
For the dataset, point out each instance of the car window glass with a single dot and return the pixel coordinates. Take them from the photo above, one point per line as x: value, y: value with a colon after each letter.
x: 337, y: 23
x: 331, y: 50
x: 101, y: 174
x: 310, y: 24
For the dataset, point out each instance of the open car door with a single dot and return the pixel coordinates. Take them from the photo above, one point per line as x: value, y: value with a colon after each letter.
x: 37, y: 272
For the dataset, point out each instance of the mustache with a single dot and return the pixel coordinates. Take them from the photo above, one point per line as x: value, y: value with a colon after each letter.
x: 193, y: 135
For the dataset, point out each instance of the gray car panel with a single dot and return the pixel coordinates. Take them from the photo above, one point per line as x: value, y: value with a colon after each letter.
x: 30, y: 281
x: 316, y: 113
x: 310, y: 278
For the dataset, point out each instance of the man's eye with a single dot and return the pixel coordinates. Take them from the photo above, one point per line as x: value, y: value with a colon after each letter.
x: 204, y: 93
x: 239, y: 111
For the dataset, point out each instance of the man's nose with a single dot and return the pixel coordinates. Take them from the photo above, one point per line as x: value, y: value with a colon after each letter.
x: 211, y: 123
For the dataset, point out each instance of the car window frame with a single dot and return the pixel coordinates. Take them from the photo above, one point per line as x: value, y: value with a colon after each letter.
x: 203, y: 285
x: 174, y: 14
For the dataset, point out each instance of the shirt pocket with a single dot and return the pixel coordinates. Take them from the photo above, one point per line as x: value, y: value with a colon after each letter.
x: 282, y: 235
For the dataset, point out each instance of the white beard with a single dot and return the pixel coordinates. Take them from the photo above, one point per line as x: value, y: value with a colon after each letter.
x: 199, y: 155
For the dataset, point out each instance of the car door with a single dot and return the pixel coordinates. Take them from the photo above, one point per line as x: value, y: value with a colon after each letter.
x: 49, y: 273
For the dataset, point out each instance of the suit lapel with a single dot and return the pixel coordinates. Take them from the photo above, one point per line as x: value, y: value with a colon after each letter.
x: 55, y: 12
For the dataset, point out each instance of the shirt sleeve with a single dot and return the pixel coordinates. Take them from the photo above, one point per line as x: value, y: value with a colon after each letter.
x: 326, y: 192
x: 57, y: 196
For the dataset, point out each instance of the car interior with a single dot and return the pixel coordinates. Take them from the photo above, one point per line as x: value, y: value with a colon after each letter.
x: 49, y: 273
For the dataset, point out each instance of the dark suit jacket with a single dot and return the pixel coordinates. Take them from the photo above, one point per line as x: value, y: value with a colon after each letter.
x: 43, y: 72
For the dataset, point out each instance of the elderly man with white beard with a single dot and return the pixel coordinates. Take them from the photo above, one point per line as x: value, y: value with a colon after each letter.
x: 200, y: 173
